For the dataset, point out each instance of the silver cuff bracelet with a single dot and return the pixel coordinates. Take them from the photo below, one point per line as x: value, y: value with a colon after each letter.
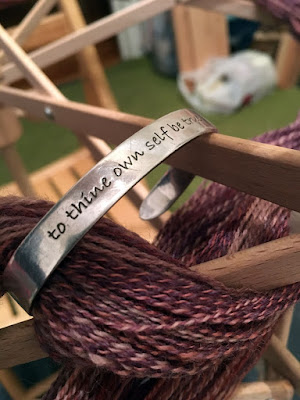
x: 93, y: 195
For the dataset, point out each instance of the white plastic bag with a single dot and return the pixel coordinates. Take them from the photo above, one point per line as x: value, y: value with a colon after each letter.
x: 224, y: 85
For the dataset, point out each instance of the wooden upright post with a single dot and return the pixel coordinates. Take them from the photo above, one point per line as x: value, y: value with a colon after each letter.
x: 10, y: 132
x: 200, y: 35
x: 288, y: 61
x: 96, y: 86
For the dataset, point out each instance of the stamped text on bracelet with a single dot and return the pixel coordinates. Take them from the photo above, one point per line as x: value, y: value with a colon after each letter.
x: 78, y: 207
x: 92, y: 196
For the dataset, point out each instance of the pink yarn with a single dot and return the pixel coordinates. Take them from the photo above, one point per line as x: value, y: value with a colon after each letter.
x: 119, y: 310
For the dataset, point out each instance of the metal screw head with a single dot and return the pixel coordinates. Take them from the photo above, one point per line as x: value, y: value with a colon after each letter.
x: 49, y: 112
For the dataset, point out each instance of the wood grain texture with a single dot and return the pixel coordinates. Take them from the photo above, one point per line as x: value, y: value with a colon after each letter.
x: 97, y: 89
x: 30, y: 70
x: 269, y: 172
x: 284, y: 362
x: 40, y: 81
x: 240, y: 8
x: 32, y: 20
x: 92, y: 34
x: 10, y: 132
x: 10, y: 127
x: 209, y: 35
x: 19, y: 345
x: 51, y: 28
x: 281, y: 390
x: 182, y: 30
x: 262, y: 267
x: 288, y: 61
x: 17, y: 170
x: 191, y: 26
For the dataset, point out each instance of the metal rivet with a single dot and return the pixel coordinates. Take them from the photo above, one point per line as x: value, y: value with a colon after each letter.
x: 49, y: 112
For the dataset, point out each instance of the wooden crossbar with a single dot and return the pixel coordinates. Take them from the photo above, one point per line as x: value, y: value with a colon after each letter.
x: 281, y: 390
x: 117, y: 22
x: 17, y: 337
x: 273, y: 173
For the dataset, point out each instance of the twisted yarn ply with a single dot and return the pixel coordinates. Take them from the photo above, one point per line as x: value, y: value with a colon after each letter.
x: 121, y: 314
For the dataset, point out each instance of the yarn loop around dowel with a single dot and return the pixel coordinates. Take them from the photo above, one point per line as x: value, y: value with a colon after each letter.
x: 119, y: 309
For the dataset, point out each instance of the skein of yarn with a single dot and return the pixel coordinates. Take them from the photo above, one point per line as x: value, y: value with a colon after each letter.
x: 130, y: 320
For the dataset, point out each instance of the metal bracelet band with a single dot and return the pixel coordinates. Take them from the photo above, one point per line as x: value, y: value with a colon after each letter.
x: 93, y: 195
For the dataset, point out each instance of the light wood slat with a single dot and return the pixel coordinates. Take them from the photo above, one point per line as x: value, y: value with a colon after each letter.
x: 10, y: 127
x: 44, y: 190
x: 30, y: 70
x: 184, y: 46
x: 10, y: 132
x: 92, y: 34
x: 190, y: 25
x: 40, y: 178
x: 60, y: 165
x: 17, y: 170
x: 214, y: 28
x: 7, y: 338
x: 281, y: 390
x: 282, y: 332
x: 273, y: 173
x: 288, y: 61
x: 6, y: 316
x: 83, y: 165
x: 127, y: 215
x: 284, y: 362
x: 31, y: 20
x: 10, y: 189
x: 240, y: 8
x: 51, y: 28
x: 115, y: 23
x: 40, y: 81
x: 64, y: 180
x: 96, y: 87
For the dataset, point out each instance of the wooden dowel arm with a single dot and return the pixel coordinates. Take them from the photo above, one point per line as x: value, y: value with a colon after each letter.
x: 284, y: 362
x: 117, y: 22
x: 266, y: 171
x: 19, y: 345
x: 264, y: 267
x: 94, y: 33
x: 269, y: 172
x: 30, y: 21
